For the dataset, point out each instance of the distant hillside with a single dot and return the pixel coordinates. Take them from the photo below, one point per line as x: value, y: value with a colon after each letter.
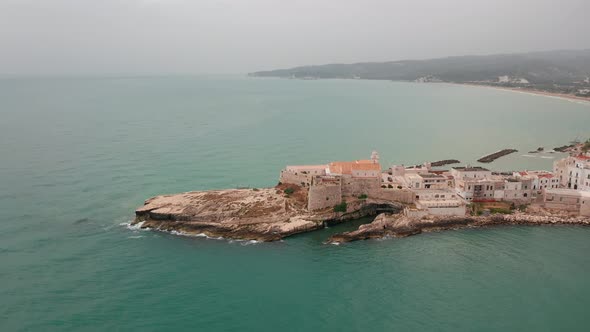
x: 537, y: 69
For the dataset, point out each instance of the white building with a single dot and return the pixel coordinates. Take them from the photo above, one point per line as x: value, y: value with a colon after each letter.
x: 442, y: 202
x: 573, y: 172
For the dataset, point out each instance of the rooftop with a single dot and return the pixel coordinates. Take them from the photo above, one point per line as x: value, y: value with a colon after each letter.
x: 571, y: 192
x: 431, y: 175
x: 471, y: 169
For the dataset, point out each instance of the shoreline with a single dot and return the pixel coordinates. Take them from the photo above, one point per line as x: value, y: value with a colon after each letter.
x: 563, y: 96
x: 400, y: 226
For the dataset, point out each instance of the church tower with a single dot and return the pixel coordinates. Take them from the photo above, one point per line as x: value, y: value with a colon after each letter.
x: 375, y: 157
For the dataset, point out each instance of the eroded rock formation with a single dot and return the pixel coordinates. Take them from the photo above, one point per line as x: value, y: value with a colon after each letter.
x: 399, y: 225
x: 267, y: 214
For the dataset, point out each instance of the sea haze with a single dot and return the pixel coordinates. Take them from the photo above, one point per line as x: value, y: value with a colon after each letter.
x: 78, y: 155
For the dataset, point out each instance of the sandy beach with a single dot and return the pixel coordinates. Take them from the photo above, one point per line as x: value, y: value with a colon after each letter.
x: 565, y: 96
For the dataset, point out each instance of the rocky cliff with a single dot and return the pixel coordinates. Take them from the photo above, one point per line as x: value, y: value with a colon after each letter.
x: 267, y: 214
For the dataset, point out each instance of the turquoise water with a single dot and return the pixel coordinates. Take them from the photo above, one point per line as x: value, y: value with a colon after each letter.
x: 78, y: 155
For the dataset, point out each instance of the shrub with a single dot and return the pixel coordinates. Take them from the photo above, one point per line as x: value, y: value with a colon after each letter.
x: 340, y: 207
x: 363, y: 196
x: 389, y: 186
x: 289, y: 191
x: 399, y: 187
x: 255, y: 189
x: 500, y: 210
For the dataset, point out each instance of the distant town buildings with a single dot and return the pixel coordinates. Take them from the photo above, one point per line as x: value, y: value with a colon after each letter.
x: 445, y: 192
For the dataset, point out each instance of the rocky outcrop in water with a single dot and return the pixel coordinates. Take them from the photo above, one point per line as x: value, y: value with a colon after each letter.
x: 491, y: 157
x: 444, y: 162
x: 267, y: 214
x: 401, y: 226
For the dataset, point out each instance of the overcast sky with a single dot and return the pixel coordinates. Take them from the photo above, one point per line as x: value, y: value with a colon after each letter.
x: 239, y: 36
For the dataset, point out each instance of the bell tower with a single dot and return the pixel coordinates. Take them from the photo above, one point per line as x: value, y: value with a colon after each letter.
x: 375, y: 157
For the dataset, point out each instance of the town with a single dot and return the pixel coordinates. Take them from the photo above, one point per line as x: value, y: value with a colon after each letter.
x: 459, y: 191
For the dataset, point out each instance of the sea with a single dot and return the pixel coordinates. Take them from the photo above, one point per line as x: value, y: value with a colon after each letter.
x: 79, y: 154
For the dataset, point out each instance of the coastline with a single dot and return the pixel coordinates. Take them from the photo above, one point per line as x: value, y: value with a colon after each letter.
x: 563, y: 96
x: 399, y: 226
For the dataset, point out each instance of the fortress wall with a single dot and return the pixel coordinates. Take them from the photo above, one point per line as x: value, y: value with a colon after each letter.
x: 295, y: 178
x: 323, y: 196
x: 358, y: 186
x: 585, y: 207
x: 396, y: 195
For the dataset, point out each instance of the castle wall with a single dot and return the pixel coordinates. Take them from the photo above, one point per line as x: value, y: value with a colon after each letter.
x: 358, y: 186
x: 323, y: 196
x: 298, y: 178
x: 562, y: 201
x: 448, y: 211
x: 585, y: 207
x: 396, y: 195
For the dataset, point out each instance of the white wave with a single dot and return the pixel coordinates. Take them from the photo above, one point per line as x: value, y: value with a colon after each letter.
x: 135, y: 237
x: 528, y: 156
x: 250, y: 242
x: 547, y: 157
x: 180, y: 233
x: 136, y: 227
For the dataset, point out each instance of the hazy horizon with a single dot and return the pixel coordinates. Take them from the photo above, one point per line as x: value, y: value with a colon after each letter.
x: 171, y: 37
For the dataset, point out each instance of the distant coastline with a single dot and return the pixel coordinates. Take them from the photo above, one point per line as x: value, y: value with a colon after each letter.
x: 566, y: 96
x: 558, y: 74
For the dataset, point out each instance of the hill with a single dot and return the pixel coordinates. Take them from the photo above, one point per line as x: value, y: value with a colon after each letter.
x: 542, y: 70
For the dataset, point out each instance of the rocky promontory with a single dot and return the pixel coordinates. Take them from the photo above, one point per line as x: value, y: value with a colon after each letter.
x: 266, y: 214
x: 400, y: 225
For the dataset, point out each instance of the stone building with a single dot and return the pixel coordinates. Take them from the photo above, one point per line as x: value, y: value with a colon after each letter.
x: 301, y: 175
x: 567, y: 200
x: 330, y: 184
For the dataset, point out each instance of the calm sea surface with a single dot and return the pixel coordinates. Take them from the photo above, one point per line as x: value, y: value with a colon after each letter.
x: 77, y: 156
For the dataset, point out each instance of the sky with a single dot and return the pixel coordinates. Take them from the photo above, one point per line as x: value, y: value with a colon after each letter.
x: 72, y: 37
